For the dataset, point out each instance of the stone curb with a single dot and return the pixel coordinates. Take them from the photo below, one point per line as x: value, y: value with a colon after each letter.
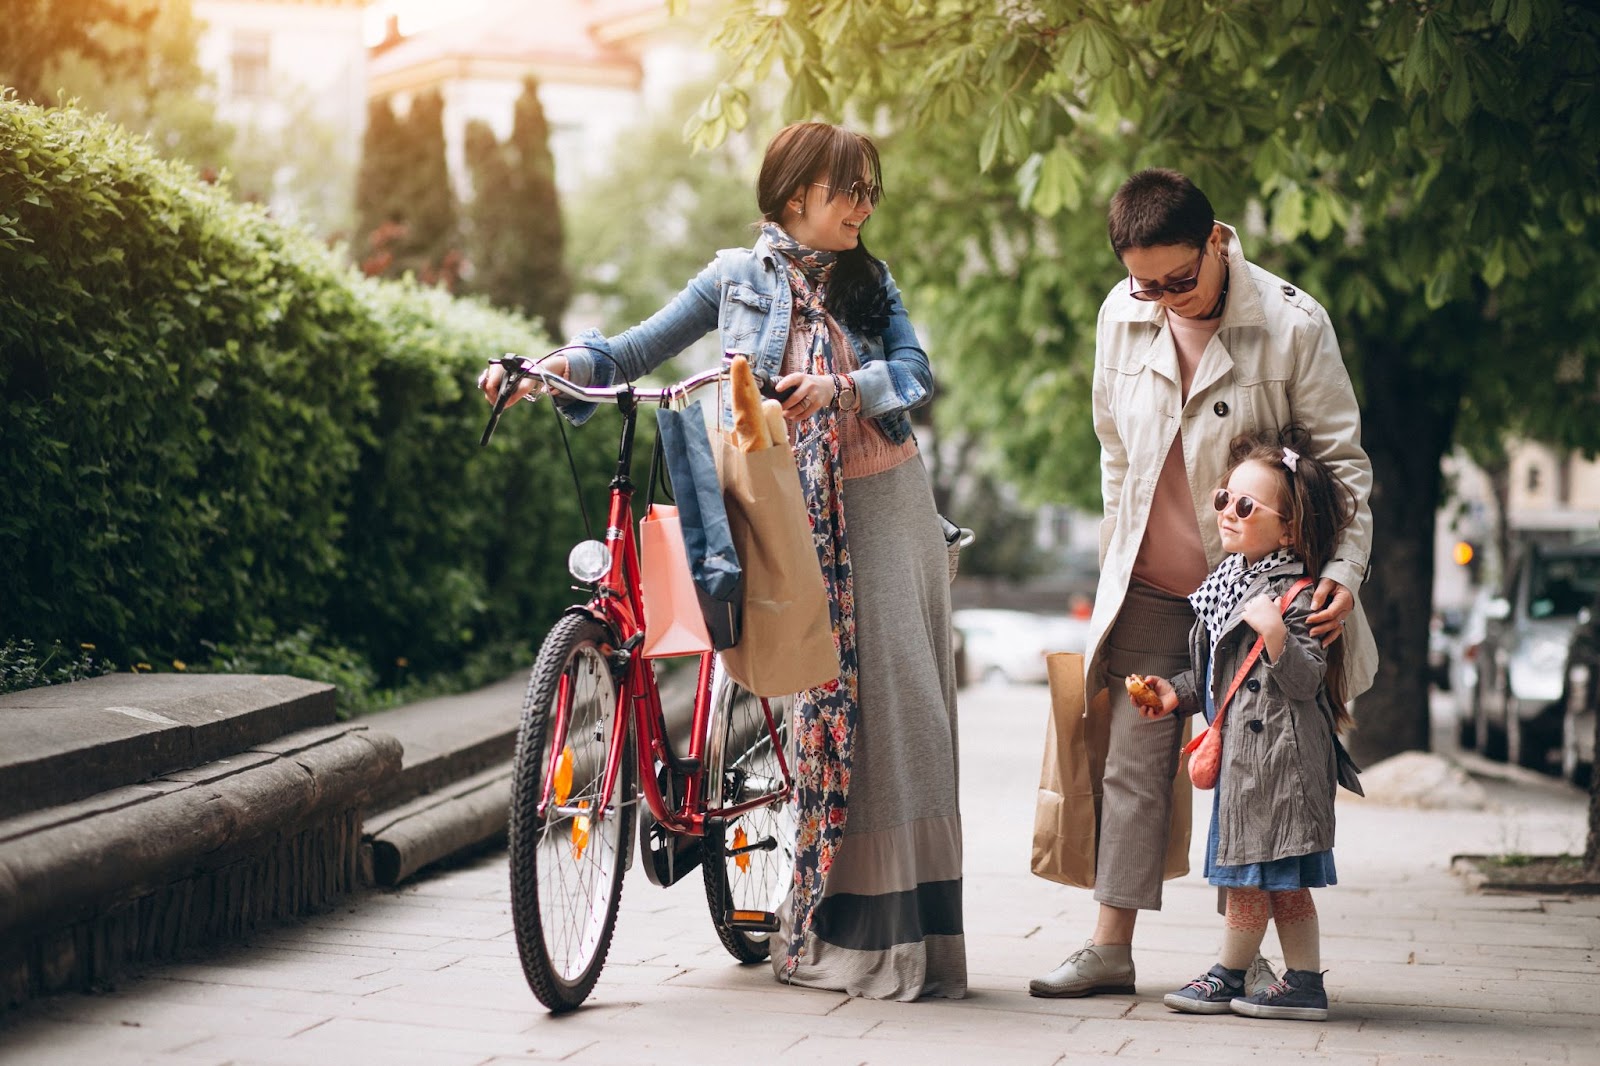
x: 138, y: 873
x: 64, y: 870
x: 457, y: 818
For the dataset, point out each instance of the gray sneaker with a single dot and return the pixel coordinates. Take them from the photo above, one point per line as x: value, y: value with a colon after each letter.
x: 1210, y: 993
x: 1259, y: 977
x: 1092, y: 969
x: 1298, y: 997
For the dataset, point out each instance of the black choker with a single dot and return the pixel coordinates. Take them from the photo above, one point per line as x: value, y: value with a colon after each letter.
x: 1222, y: 298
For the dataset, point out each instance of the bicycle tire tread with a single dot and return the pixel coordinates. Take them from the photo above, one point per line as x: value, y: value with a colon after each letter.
x: 565, y: 638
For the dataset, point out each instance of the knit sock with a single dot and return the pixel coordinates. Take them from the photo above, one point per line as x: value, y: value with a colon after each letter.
x: 1295, y: 915
x: 1244, y: 926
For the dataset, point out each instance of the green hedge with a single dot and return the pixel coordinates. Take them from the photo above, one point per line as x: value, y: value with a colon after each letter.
x: 212, y: 432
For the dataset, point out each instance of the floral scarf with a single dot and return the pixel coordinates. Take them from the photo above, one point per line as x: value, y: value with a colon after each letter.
x: 825, y: 717
x: 1221, y: 591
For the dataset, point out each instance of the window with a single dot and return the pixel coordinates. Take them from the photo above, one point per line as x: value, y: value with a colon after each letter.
x: 252, y: 66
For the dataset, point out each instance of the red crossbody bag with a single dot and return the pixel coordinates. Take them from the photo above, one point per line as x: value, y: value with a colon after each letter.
x: 1205, y: 750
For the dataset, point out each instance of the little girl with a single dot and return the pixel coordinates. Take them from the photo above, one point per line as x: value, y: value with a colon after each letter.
x: 1271, y: 838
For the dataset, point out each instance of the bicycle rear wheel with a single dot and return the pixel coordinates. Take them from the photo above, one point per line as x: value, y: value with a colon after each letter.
x: 749, y: 858
x: 567, y: 865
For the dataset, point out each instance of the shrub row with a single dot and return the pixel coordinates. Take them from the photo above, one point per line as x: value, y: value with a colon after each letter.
x: 212, y: 432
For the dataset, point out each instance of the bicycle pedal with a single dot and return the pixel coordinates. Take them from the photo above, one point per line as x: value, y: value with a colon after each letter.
x: 753, y: 921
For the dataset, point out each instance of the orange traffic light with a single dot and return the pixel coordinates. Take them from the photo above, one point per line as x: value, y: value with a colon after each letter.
x: 1462, y: 553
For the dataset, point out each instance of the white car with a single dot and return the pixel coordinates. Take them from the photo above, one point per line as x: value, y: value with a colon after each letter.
x: 1010, y: 646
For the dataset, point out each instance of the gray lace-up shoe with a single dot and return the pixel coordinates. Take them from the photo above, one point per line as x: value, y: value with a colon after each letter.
x: 1299, y: 997
x: 1091, y: 970
x: 1210, y: 993
x: 1259, y: 977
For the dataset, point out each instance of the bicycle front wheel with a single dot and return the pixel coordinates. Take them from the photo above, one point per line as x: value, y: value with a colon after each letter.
x: 749, y: 858
x: 567, y: 863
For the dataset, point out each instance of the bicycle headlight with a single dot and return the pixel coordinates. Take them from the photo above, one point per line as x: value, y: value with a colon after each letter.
x: 589, y: 561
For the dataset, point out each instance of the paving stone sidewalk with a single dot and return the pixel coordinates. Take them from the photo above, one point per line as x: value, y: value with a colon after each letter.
x: 1420, y: 969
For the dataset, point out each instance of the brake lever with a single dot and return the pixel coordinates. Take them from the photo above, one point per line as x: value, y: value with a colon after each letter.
x: 769, y: 388
x: 516, y: 369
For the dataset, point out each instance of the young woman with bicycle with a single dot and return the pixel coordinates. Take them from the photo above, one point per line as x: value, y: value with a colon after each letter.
x: 874, y: 908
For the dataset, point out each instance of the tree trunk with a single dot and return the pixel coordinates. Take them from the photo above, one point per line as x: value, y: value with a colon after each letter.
x: 1406, y: 425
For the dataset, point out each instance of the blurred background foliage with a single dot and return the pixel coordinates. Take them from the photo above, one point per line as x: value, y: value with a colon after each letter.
x: 224, y: 447
x: 1426, y: 170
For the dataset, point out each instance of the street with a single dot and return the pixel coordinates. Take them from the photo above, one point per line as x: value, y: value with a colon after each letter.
x: 1420, y: 969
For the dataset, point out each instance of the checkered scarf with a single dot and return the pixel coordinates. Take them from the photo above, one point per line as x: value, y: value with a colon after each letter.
x: 1214, y: 601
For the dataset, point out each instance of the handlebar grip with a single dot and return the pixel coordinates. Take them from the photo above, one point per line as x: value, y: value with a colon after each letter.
x: 508, y: 386
x: 769, y: 388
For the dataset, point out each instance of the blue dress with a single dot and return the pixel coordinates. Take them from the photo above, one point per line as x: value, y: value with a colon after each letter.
x: 1315, y: 870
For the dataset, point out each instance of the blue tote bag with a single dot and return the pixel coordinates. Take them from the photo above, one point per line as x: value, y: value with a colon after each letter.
x: 707, y: 540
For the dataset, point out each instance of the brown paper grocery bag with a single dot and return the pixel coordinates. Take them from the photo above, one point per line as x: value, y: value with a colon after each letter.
x: 787, y: 642
x: 1067, y: 812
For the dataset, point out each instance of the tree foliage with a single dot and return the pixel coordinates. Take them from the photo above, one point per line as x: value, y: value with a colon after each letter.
x: 405, y: 203
x: 516, y: 237
x: 1426, y: 170
x: 659, y: 212
x: 135, y: 61
x: 36, y: 36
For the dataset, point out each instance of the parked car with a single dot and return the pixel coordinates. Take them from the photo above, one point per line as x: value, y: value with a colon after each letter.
x: 1523, y: 658
x: 1581, y: 700
x: 1443, y: 630
x: 1010, y: 646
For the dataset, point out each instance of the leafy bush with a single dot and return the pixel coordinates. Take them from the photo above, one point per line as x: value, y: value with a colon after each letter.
x: 215, y: 434
x: 22, y: 665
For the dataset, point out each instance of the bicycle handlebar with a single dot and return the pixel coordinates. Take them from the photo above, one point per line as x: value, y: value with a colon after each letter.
x: 519, y: 367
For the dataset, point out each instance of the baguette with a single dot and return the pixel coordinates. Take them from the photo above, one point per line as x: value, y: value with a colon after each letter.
x: 749, y: 427
x: 777, y: 428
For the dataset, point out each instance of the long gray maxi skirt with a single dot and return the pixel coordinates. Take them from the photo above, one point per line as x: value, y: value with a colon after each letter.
x: 889, y: 924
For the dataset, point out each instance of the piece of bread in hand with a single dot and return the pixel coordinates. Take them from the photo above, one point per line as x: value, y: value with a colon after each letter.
x: 777, y: 427
x: 749, y: 427
x: 1142, y: 694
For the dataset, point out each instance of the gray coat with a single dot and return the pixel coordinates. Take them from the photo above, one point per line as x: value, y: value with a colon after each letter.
x: 1275, y: 792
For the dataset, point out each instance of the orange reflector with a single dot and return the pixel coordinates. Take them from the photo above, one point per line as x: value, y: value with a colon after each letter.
x: 563, y: 780
x: 742, y: 860
x: 749, y: 916
x: 580, y: 832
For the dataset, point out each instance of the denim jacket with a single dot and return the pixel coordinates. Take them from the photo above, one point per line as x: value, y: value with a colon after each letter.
x: 744, y: 294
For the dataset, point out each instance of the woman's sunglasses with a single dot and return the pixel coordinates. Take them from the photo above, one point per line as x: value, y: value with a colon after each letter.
x: 1243, y: 506
x: 1177, y: 288
x: 861, y: 190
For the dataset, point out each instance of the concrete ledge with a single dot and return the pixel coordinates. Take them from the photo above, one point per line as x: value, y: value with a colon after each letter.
x: 456, y: 818
x: 67, y: 742
x: 137, y: 874
x: 449, y: 738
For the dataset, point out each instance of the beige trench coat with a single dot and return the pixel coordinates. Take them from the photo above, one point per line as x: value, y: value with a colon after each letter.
x: 1274, y: 360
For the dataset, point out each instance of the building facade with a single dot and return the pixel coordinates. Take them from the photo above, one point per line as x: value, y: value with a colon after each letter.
x: 600, y: 65
x: 291, y: 78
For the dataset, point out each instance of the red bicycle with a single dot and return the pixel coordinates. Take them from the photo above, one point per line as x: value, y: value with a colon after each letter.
x: 593, y: 739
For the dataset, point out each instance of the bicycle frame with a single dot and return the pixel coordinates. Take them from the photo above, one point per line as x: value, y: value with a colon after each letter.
x: 617, y: 604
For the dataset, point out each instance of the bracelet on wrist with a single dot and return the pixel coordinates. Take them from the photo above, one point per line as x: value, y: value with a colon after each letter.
x: 853, y: 392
